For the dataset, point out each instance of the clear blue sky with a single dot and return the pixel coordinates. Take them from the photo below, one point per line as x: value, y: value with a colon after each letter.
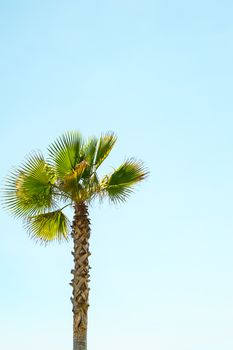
x: 159, y: 74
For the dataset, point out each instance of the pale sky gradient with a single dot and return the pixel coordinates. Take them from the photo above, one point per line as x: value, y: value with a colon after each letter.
x: 159, y: 74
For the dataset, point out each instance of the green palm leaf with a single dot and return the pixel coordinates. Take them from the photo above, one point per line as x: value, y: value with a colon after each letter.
x: 89, y: 153
x: 104, y: 147
x: 89, y: 150
x: 66, y: 152
x: 49, y: 226
x: 29, y: 189
x: 119, y: 185
x: 70, y: 183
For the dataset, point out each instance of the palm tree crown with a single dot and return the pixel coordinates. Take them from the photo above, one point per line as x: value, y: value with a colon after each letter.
x: 40, y: 188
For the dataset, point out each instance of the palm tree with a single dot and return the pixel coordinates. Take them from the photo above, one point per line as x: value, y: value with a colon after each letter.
x: 39, y: 190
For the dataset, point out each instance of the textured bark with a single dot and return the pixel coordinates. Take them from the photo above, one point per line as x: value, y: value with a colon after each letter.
x: 80, y: 235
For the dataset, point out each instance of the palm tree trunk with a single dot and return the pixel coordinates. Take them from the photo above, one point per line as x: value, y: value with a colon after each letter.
x: 80, y: 235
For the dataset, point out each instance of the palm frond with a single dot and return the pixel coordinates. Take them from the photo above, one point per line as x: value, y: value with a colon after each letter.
x: 116, y: 193
x: 28, y: 190
x: 119, y: 185
x: 104, y: 147
x: 48, y: 226
x: 70, y: 183
x: 89, y: 150
x: 89, y: 153
x: 66, y: 152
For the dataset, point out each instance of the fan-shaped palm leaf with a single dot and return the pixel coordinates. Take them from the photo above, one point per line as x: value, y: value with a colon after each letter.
x: 89, y: 153
x: 104, y: 147
x: 119, y: 184
x: 66, y: 152
x: 29, y: 189
x: 49, y: 226
x: 70, y: 181
x: 89, y: 150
